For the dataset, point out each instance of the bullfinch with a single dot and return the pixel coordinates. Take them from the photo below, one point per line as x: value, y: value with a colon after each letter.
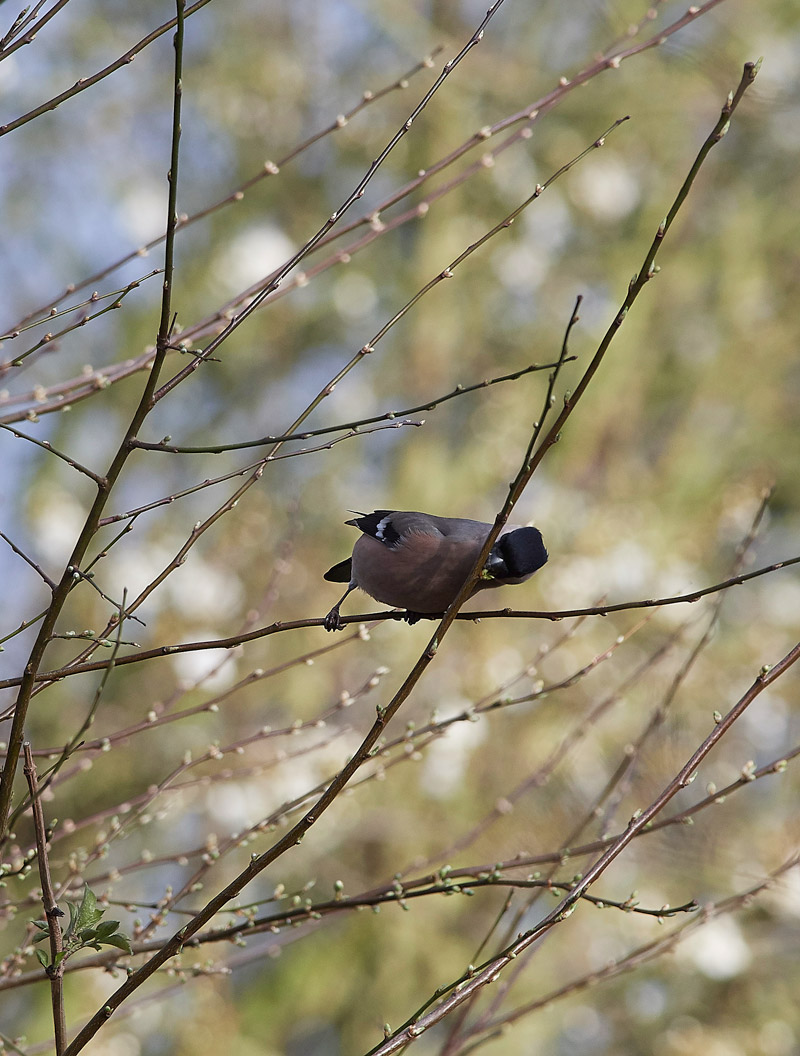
x: 419, y: 562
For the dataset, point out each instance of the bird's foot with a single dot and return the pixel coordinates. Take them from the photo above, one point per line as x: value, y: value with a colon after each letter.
x: 333, y: 621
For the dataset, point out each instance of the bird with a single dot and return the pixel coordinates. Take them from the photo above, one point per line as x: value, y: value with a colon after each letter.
x: 419, y: 562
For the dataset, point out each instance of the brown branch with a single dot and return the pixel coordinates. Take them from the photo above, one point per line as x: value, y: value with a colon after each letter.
x: 47, y: 446
x: 464, y: 988
x: 105, y: 486
x: 429, y: 405
x: 463, y: 876
x: 258, y: 467
x: 74, y: 390
x: 489, y: 974
x: 29, y: 560
x: 622, y: 606
x: 375, y: 617
x: 335, y: 216
x: 87, y: 82
x: 55, y: 970
x: 259, y: 863
x: 528, y: 115
x: 268, y: 169
x: 601, y: 809
x: 635, y: 959
x: 79, y: 389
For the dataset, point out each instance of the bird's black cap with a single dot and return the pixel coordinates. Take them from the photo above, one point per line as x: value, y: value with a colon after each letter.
x: 517, y: 554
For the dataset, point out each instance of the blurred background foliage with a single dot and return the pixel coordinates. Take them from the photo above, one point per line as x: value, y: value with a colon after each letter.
x: 651, y: 489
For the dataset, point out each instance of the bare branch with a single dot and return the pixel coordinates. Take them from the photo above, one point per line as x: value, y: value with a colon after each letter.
x: 268, y: 169
x: 463, y: 989
x: 55, y: 969
x: 49, y: 338
x: 458, y: 391
x: 87, y: 82
x: 293, y: 625
x: 29, y: 560
x: 47, y: 446
x: 104, y: 487
x: 23, y: 20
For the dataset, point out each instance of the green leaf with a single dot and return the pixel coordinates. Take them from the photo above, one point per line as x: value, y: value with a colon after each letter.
x: 42, y: 958
x: 108, y: 927
x: 73, y: 916
x: 88, y: 914
x: 122, y: 942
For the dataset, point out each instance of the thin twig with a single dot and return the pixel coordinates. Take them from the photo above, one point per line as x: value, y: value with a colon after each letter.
x: 87, y: 82
x: 448, y: 273
x: 24, y: 19
x: 47, y: 446
x: 55, y: 970
x: 355, y: 195
x: 75, y: 741
x: 29, y: 560
x: 250, y: 467
x: 58, y: 313
x: 105, y: 486
x: 623, y: 777
x: 50, y: 338
x: 268, y: 169
x: 429, y: 405
x: 374, y: 617
x: 635, y: 959
x: 465, y: 987
x: 23, y: 626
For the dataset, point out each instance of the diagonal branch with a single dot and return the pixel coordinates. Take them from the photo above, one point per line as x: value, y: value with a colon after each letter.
x: 87, y: 82
x: 55, y: 969
x: 356, y: 194
x: 268, y: 169
x: 106, y: 484
x: 47, y: 446
x: 29, y: 560
x: 464, y: 989
x: 7, y: 48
